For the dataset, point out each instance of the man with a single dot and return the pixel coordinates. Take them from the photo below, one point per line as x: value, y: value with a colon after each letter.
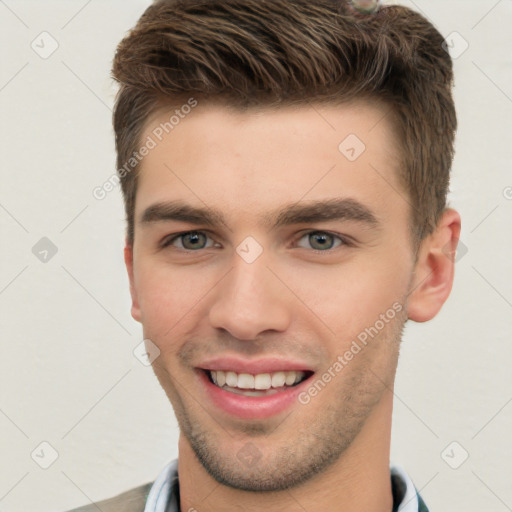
x: 284, y: 166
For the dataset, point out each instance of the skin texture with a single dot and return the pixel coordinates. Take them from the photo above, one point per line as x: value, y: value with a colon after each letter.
x: 292, y: 302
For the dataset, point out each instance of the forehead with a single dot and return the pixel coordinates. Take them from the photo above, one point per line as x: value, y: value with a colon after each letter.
x: 368, y: 119
x: 258, y: 159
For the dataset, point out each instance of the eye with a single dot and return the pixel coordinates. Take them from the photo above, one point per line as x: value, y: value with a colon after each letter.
x: 190, y: 241
x: 321, y: 240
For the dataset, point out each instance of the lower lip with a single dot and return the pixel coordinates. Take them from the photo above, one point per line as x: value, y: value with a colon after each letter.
x: 251, y: 407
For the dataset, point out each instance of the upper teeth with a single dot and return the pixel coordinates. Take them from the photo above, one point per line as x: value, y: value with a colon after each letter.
x: 259, y: 381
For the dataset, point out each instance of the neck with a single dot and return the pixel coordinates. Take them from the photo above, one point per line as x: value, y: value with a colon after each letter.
x: 358, y: 480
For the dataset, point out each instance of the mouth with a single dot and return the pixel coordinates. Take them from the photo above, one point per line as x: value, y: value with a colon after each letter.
x: 261, y: 384
x: 250, y: 396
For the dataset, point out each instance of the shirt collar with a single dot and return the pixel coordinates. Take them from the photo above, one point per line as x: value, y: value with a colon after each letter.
x: 164, y: 494
x: 404, y: 491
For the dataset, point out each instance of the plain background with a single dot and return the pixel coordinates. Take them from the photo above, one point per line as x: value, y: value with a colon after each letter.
x: 68, y: 376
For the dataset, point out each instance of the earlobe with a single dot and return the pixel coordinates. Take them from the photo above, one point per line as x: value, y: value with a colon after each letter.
x: 434, y: 269
x: 128, y: 260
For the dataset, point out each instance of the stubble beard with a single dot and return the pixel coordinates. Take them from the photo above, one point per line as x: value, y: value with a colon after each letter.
x: 304, y: 452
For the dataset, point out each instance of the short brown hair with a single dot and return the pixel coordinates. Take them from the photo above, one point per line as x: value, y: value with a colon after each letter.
x: 272, y: 53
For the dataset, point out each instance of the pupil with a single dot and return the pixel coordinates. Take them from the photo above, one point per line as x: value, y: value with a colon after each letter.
x: 320, y: 240
x: 193, y: 239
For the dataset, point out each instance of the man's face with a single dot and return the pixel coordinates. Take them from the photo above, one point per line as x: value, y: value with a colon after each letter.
x: 266, y: 283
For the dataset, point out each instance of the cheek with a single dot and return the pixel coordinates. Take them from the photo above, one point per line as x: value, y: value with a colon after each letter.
x: 167, y: 297
x: 174, y: 300
x: 350, y: 298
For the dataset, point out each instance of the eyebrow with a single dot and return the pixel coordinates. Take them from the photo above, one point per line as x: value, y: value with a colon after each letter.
x: 340, y: 209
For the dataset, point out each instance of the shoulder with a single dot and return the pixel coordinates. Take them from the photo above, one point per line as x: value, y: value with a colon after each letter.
x: 133, y: 500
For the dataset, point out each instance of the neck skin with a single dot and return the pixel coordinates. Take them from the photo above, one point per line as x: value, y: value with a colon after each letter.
x: 358, y: 480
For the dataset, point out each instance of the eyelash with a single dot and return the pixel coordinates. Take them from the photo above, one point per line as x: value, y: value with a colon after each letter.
x: 344, y: 241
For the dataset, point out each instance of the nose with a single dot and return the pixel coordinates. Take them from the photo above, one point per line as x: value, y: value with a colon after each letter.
x: 249, y: 301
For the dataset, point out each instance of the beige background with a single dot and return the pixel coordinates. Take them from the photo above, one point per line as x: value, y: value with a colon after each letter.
x: 68, y: 376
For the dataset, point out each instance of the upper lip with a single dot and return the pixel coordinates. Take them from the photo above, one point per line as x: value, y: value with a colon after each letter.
x: 256, y: 366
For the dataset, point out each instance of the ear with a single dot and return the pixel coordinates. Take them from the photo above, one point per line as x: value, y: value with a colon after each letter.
x: 434, y: 269
x: 128, y: 260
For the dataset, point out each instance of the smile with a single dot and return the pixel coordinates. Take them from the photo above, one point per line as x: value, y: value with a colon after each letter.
x: 261, y: 384
x: 252, y: 396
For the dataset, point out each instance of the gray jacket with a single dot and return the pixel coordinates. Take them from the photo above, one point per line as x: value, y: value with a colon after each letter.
x: 133, y: 500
